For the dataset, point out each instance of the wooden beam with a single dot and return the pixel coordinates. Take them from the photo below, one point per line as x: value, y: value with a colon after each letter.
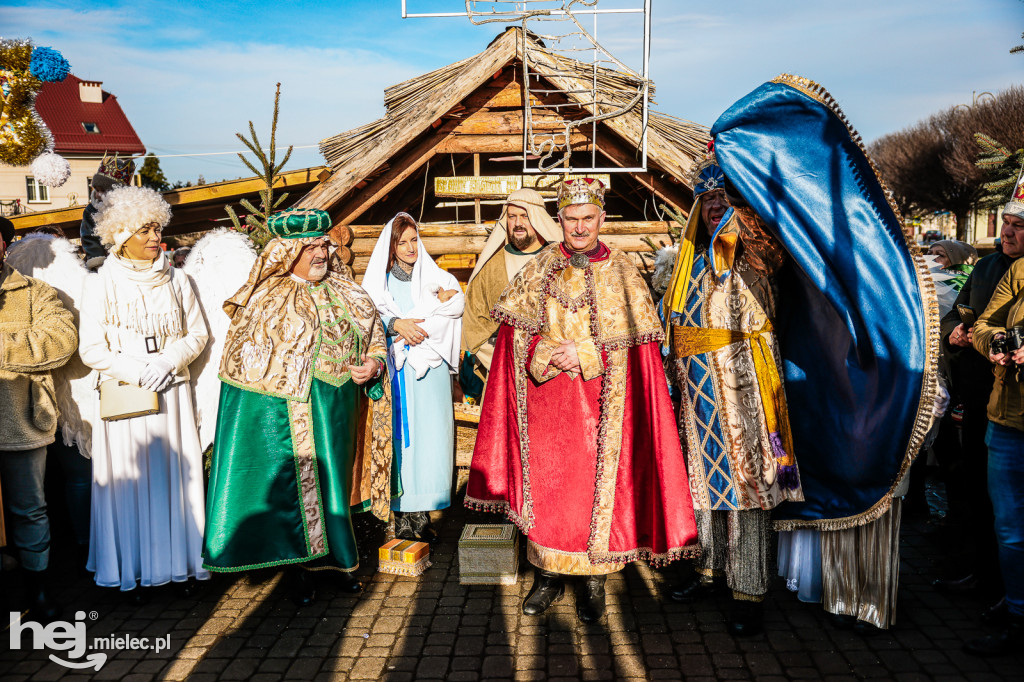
x: 489, y: 144
x: 225, y: 192
x: 401, y: 169
x: 508, y: 97
x: 510, y: 123
x: 611, y: 227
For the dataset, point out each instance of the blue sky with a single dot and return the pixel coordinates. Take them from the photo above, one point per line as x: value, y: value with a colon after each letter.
x: 191, y: 74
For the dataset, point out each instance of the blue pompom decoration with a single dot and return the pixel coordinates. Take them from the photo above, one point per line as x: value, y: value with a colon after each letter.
x: 49, y: 65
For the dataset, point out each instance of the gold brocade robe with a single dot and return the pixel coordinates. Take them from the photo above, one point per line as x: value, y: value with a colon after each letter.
x: 732, y: 416
x: 284, y: 332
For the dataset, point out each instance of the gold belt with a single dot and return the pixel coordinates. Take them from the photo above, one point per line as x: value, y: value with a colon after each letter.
x: 687, y: 341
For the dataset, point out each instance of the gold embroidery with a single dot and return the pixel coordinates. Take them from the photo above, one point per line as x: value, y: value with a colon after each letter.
x: 305, y: 461
x: 567, y: 563
x: 543, y: 298
x: 282, y: 330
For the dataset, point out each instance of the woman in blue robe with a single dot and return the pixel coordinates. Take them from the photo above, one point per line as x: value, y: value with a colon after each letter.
x: 421, y: 305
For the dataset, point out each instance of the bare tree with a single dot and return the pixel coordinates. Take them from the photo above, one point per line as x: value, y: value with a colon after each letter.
x: 932, y: 165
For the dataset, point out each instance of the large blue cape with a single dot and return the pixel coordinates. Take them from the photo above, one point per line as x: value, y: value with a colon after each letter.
x: 857, y: 320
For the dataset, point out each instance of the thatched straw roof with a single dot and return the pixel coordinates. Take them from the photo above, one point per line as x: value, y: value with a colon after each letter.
x: 412, y: 106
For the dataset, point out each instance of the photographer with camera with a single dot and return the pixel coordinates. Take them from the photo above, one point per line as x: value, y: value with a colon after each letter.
x: 970, y: 510
x: 999, y: 335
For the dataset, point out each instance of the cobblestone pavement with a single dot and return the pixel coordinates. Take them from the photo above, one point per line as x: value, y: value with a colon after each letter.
x: 244, y: 627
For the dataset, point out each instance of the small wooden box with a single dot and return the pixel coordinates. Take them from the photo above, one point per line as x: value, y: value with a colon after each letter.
x: 404, y: 557
x: 488, y: 554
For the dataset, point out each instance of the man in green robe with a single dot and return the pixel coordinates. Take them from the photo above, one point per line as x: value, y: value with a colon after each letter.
x: 298, y: 446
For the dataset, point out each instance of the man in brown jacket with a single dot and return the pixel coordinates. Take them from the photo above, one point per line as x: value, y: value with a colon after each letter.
x: 37, y: 335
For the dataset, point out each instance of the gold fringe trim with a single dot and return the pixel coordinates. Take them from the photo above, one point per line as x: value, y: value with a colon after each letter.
x: 930, y: 305
x: 743, y: 596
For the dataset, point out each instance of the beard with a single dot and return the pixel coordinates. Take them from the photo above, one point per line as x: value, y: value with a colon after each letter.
x: 317, y: 271
x: 521, y: 243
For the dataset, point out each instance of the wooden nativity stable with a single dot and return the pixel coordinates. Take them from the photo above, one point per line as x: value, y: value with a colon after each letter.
x: 450, y: 149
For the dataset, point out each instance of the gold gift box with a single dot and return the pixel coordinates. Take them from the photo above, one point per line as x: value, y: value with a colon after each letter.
x: 404, y: 557
x: 488, y: 554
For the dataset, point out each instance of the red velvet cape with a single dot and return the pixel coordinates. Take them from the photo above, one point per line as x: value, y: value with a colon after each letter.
x: 550, y: 495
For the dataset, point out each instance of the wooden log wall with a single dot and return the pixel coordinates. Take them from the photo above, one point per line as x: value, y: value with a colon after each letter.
x: 358, y: 240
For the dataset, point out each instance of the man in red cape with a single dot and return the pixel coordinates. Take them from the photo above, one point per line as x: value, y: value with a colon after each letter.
x: 577, y: 443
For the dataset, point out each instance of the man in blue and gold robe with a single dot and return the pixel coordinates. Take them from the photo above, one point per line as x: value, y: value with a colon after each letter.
x: 298, y: 445
x: 719, y: 311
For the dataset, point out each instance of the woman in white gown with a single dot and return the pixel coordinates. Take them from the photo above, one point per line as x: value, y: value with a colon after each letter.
x: 142, y: 325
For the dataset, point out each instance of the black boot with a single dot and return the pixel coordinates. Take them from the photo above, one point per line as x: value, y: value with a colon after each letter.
x: 547, y: 589
x: 403, y: 527
x: 840, y: 621
x: 188, y: 589
x: 137, y: 596
x: 967, y: 583
x: 41, y: 606
x: 690, y: 589
x: 345, y: 582
x: 996, y: 614
x: 301, y: 588
x: 745, y: 617
x: 421, y: 527
x: 1007, y: 639
x: 590, y: 599
x: 866, y: 629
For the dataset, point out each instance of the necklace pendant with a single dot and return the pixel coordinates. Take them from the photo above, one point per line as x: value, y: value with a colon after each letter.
x: 579, y: 260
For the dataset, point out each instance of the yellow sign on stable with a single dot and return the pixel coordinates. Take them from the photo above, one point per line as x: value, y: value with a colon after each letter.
x: 500, y: 186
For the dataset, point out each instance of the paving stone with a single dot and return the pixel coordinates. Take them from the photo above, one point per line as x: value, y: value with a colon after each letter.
x: 432, y: 667
x: 367, y: 668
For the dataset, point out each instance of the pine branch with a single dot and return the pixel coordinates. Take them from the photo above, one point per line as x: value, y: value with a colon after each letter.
x: 235, y: 223
x: 247, y: 205
x: 255, y: 171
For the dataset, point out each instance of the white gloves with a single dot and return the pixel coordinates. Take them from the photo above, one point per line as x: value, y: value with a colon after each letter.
x: 157, y: 375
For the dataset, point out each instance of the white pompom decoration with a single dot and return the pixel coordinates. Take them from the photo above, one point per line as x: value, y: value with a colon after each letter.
x: 51, y: 169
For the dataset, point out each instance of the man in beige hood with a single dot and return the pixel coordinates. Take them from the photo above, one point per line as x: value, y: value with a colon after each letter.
x: 523, y: 229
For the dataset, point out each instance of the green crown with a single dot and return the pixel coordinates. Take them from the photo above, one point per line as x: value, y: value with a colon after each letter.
x: 295, y: 223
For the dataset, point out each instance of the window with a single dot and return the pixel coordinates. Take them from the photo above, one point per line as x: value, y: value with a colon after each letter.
x: 36, y: 193
x: 91, y: 128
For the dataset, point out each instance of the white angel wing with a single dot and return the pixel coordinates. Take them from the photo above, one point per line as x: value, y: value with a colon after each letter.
x: 219, y: 265
x: 54, y: 261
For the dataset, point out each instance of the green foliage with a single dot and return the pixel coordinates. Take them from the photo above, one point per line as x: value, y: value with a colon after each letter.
x: 152, y: 176
x: 255, y: 224
x: 1001, y: 166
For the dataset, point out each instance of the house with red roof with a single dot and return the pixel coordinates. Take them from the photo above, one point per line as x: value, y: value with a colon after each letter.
x: 86, y: 122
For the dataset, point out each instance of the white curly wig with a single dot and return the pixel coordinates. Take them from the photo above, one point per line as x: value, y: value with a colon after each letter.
x: 125, y: 210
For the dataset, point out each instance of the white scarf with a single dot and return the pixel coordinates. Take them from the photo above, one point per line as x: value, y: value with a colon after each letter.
x: 142, y: 300
x: 442, y: 321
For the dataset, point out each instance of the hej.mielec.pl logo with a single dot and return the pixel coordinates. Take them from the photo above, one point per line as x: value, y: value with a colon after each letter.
x: 63, y: 636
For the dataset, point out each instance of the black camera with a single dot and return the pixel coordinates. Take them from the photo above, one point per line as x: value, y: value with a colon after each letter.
x: 1014, y: 338
x: 998, y: 345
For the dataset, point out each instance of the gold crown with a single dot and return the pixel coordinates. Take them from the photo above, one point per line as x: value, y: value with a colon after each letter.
x: 581, y: 191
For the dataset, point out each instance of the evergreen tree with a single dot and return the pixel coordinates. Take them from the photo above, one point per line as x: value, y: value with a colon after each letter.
x: 152, y: 175
x: 255, y: 226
